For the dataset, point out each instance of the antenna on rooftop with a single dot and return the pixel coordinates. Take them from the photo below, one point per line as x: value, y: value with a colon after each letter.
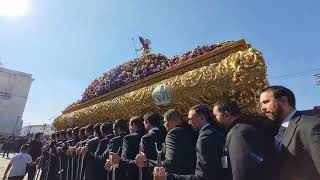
x: 317, y: 78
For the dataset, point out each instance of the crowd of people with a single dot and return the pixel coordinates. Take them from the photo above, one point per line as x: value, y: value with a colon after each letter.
x: 12, y: 144
x: 221, y: 143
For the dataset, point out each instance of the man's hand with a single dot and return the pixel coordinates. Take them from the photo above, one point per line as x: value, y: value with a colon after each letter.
x: 72, y: 150
x: 84, y: 150
x: 108, y: 165
x: 114, y: 158
x: 78, y: 151
x: 159, y: 173
x: 59, y: 149
x: 140, y: 158
x: 43, y: 148
x: 68, y: 152
x: 32, y: 163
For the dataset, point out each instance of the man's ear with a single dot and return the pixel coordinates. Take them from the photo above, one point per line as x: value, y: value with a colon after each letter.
x: 202, y: 118
x: 227, y: 114
x: 284, y: 100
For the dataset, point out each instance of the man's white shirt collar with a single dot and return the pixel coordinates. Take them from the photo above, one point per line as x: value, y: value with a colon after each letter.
x: 287, y: 120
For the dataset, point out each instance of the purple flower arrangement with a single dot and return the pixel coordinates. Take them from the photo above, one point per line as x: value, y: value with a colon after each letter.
x: 137, y: 69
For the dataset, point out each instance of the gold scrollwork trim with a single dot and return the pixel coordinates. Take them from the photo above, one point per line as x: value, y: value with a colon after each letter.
x: 197, y: 62
x: 240, y: 75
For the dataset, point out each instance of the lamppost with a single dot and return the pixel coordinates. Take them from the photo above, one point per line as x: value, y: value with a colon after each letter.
x: 49, y: 122
x: 29, y: 129
x: 317, y: 78
x: 44, y: 127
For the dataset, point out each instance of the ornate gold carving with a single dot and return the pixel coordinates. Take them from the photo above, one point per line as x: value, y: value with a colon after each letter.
x: 205, y: 59
x: 240, y: 75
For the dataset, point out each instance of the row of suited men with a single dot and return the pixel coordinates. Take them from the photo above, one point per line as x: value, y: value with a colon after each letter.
x: 283, y: 144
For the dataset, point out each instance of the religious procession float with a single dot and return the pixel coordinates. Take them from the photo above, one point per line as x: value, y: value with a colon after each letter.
x: 153, y: 82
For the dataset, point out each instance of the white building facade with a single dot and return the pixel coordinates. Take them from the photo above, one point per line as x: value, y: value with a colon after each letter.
x: 14, y: 90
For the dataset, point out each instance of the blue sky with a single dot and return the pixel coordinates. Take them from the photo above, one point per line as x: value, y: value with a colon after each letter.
x: 66, y: 44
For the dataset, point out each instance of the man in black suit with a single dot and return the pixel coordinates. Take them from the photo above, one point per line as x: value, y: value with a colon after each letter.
x: 35, y: 152
x: 152, y: 123
x: 130, y: 148
x: 107, y: 133
x: 297, y: 138
x: 131, y: 142
x: 89, y: 151
x: 209, y: 149
x: 88, y: 134
x: 75, y: 150
x: 95, y: 148
x: 180, y: 142
x: 245, y: 144
x: 120, y: 130
x: 69, y: 136
x: 63, y: 138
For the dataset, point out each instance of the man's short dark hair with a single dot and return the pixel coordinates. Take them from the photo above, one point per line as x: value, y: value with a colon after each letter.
x: 106, y: 128
x: 58, y: 134
x: 69, y: 132
x: 25, y: 147
x: 138, y: 122
x: 82, y: 131
x: 37, y: 135
x: 227, y: 105
x: 153, y: 118
x: 96, y: 128
x: 53, y: 135
x: 89, y: 128
x: 172, y: 115
x: 280, y: 91
x: 63, y: 133
x: 122, y: 125
x: 203, y: 110
x: 75, y: 130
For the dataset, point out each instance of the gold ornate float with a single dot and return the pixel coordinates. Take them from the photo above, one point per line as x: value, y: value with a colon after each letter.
x: 234, y: 70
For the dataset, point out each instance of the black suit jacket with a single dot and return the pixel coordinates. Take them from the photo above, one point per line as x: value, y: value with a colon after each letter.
x: 103, y: 144
x: 35, y: 149
x: 148, y: 141
x: 130, y: 148
x: 83, y: 143
x: 116, y: 143
x: 300, y: 158
x: 209, y: 151
x: 52, y: 169
x: 131, y: 145
x: 97, y: 164
x: 180, y: 154
x: 92, y: 170
x: 113, y: 146
x: 147, y: 145
x: 245, y: 146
